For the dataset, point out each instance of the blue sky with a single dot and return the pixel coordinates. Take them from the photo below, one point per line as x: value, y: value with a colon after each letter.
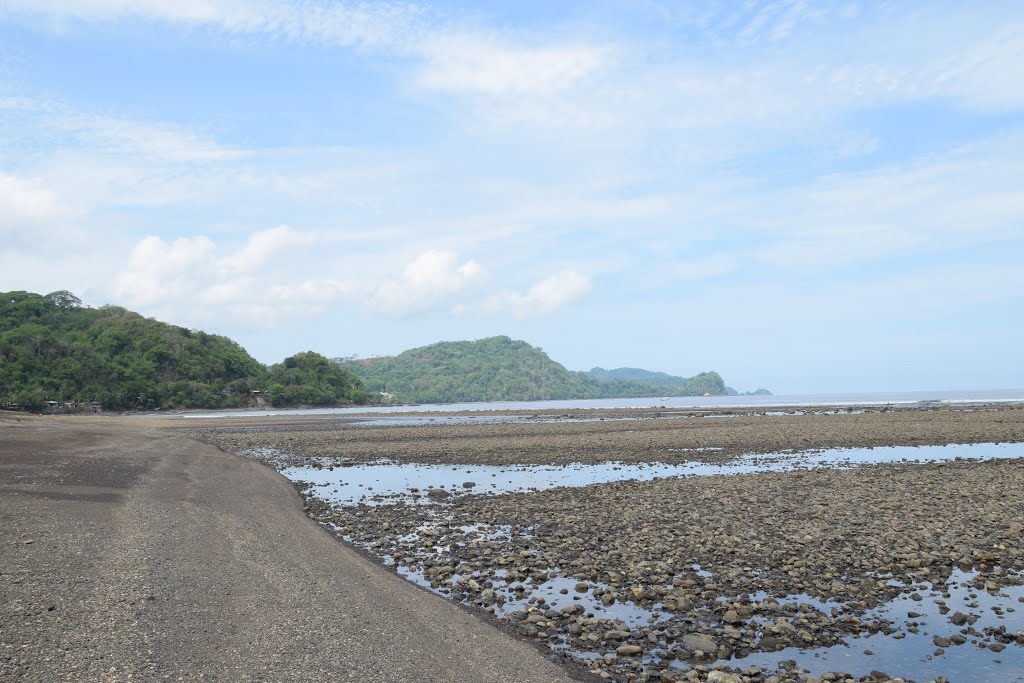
x: 811, y: 197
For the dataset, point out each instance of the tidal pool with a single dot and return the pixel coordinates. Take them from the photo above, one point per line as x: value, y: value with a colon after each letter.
x: 915, y: 654
x: 383, y: 483
x: 922, y: 645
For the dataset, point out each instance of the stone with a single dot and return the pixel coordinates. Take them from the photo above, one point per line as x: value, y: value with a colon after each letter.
x: 723, y: 677
x: 695, y: 641
x: 628, y: 650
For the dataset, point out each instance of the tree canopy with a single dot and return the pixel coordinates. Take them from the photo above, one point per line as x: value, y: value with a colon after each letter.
x: 311, y: 379
x: 54, y: 349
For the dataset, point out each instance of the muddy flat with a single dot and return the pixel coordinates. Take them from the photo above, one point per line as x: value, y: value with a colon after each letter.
x: 139, y: 555
x: 599, y: 436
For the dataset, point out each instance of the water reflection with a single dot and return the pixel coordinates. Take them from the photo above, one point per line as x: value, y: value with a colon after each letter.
x: 389, y: 482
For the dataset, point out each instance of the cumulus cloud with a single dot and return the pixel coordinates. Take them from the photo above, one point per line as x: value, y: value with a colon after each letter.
x: 158, y: 272
x: 263, y: 245
x: 429, y: 282
x: 193, y: 278
x: 544, y: 298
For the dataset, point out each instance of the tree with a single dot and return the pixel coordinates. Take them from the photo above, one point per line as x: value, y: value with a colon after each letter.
x: 63, y: 299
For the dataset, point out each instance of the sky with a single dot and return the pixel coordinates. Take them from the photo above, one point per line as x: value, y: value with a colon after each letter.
x: 807, y: 196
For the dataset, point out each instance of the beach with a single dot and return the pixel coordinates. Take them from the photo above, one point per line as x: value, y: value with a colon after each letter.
x: 138, y: 552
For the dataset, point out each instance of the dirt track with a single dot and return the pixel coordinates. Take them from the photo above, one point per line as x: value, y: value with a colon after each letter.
x: 141, y: 555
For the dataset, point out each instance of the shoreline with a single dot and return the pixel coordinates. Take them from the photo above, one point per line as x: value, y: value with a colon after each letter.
x: 628, y: 436
x: 620, y: 527
x: 412, y: 539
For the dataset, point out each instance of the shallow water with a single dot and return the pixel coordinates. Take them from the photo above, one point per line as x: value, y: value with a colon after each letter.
x: 915, y: 655
x: 910, y: 652
x: 388, y: 482
x: 902, y: 398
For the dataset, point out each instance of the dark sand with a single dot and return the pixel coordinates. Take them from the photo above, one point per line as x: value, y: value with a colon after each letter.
x: 144, y: 556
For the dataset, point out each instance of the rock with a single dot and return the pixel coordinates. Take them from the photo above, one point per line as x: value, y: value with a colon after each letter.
x: 582, y: 587
x: 468, y: 484
x: 628, y: 650
x: 684, y: 604
x: 939, y: 641
x: 437, y: 493
x: 958, y: 618
x: 723, y: 677
x: 732, y: 617
x: 695, y: 641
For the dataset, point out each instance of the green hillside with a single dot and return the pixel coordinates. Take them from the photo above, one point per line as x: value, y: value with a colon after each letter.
x: 654, y: 379
x: 500, y: 369
x: 54, y: 349
x: 497, y: 368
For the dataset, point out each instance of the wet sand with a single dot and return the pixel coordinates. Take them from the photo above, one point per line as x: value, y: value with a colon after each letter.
x: 628, y: 436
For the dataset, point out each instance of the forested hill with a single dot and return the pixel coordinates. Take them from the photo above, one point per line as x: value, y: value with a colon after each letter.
x: 499, y: 369
x: 655, y: 379
x: 669, y: 385
x: 54, y: 349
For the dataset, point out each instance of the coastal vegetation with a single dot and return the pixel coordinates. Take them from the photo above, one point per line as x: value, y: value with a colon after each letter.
x: 504, y: 369
x: 55, y: 351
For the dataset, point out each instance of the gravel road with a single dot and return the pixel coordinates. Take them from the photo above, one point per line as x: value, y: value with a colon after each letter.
x: 144, y: 555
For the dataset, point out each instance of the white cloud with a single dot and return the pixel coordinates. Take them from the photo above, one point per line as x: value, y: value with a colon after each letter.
x: 163, y: 142
x: 34, y: 215
x: 429, y: 282
x: 477, y: 64
x: 987, y: 74
x: 159, y: 272
x: 544, y: 298
x: 312, y: 21
x: 25, y: 201
x: 195, y: 279
x: 264, y: 245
